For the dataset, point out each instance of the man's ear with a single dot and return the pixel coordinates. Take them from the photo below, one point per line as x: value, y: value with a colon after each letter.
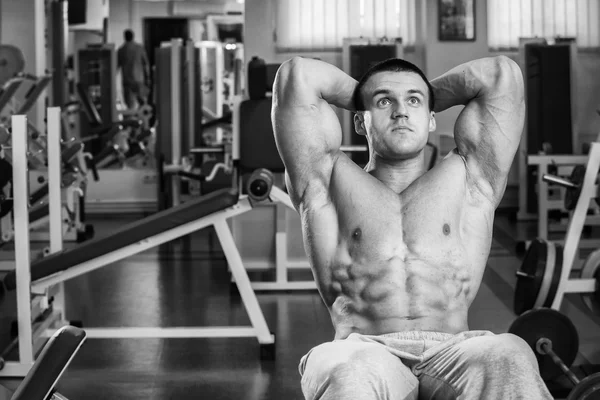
x: 359, y: 123
x: 432, y: 123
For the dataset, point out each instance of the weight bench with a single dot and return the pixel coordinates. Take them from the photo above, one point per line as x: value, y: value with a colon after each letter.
x: 213, y: 209
x: 40, y: 382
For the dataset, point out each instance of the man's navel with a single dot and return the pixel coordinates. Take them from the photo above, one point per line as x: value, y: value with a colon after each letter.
x: 446, y: 229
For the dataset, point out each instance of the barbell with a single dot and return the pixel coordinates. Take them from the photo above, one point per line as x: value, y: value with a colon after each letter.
x: 573, y: 185
x: 555, y: 343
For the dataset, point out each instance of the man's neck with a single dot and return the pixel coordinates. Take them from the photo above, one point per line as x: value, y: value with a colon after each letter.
x: 396, y: 174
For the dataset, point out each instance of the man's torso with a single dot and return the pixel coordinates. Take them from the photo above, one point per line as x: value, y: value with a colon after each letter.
x: 131, y: 58
x: 385, y: 262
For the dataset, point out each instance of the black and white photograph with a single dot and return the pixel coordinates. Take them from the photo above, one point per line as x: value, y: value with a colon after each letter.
x: 299, y: 199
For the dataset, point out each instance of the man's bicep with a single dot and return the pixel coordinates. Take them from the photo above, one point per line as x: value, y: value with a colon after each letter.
x: 488, y: 133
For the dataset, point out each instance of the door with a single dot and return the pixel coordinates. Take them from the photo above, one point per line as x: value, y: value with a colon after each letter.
x: 158, y: 30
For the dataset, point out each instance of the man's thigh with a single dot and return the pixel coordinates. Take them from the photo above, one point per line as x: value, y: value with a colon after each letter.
x: 488, y: 366
x: 357, y: 369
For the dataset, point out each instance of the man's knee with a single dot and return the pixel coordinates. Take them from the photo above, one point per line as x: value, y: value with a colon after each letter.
x: 506, y: 351
x: 344, y: 367
x: 348, y: 357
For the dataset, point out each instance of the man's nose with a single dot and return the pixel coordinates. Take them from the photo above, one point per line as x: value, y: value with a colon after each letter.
x: 401, y: 111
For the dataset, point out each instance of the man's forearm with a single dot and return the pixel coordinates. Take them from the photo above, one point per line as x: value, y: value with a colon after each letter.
x: 329, y: 82
x: 472, y: 80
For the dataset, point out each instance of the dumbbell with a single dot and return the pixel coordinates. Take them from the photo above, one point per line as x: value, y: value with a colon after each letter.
x: 555, y: 343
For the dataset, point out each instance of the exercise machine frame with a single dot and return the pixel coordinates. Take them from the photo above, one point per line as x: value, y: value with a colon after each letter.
x: 30, y: 341
x: 589, y: 191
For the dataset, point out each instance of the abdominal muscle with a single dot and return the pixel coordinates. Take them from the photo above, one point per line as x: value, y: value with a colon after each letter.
x: 401, y: 296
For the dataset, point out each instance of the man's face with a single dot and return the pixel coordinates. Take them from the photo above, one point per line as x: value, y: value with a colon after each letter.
x: 397, y: 120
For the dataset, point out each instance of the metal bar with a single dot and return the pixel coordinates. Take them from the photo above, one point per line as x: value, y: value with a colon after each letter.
x: 174, y: 332
x: 190, y: 69
x: 54, y: 179
x: 274, y: 286
x: 577, y: 221
x: 35, y: 94
x: 547, y: 349
x: 15, y: 369
x: 242, y: 281
x: 281, y: 254
x: 207, y: 150
x: 580, y: 286
x: 556, y: 159
x: 559, y: 181
x: 542, y: 201
x: 282, y: 197
x: 353, y: 149
x: 235, y: 128
x: 9, y: 91
x: 175, y: 116
x: 21, y: 217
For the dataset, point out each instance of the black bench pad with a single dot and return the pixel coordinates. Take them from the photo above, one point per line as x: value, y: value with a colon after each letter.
x: 130, y: 234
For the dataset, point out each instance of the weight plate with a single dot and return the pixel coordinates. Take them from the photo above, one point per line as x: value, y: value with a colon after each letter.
x: 12, y: 62
x: 550, y: 324
x: 591, y: 270
x: 587, y: 389
x: 554, y: 278
x: 530, y: 276
x: 572, y: 195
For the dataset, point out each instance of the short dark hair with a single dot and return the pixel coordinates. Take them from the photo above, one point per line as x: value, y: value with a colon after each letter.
x: 393, y: 65
x: 128, y: 35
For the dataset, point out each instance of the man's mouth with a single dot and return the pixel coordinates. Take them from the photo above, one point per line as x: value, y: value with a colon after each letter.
x: 401, y: 129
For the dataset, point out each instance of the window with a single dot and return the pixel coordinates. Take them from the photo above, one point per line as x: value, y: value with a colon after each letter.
x: 510, y: 19
x: 315, y: 25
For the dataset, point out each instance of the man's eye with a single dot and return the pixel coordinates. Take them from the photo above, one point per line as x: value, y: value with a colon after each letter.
x: 383, y: 102
x: 414, y: 100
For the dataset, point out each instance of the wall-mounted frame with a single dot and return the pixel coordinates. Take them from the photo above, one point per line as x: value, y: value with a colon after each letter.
x: 456, y: 20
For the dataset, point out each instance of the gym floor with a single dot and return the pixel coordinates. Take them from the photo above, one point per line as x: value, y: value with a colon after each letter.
x: 184, y: 284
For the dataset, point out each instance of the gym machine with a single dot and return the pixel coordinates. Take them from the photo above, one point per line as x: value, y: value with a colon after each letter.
x: 179, y: 112
x: 124, y: 176
x: 555, y: 343
x: 545, y: 274
x: 18, y: 96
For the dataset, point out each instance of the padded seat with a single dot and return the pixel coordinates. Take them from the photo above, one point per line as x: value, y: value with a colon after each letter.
x: 50, y: 365
x: 130, y: 234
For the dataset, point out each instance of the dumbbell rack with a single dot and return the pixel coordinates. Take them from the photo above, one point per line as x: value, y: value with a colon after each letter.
x: 589, y: 191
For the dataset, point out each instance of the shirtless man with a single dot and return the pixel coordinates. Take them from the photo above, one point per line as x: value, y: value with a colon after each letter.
x: 398, y: 252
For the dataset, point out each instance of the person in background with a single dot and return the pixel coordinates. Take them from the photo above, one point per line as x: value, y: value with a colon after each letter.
x: 135, y: 71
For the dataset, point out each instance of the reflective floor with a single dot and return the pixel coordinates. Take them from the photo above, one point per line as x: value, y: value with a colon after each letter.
x: 185, y: 284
